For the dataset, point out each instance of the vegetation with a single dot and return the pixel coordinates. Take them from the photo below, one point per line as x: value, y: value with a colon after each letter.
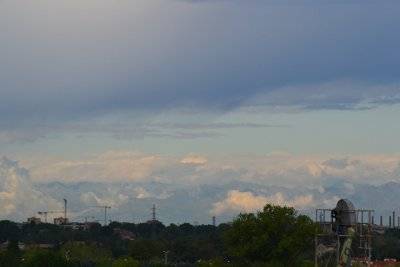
x: 387, y: 246
x: 276, y: 236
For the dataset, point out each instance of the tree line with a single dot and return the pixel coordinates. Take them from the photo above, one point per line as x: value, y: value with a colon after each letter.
x: 276, y: 236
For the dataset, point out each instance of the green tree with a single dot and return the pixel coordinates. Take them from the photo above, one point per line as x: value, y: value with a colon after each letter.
x: 44, y: 258
x: 146, y: 249
x: 125, y: 262
x: 386, y: 245
x: 213, y: 263
x: 87, y: 254
x: 9, y: 231
x: 10, y: 257
x: 276, y: 235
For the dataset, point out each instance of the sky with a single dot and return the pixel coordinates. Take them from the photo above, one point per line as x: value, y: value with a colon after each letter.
x: 212, y: 79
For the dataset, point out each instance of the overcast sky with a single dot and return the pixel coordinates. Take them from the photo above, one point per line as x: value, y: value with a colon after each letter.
x: 177, y: 77
x: 259, y: 101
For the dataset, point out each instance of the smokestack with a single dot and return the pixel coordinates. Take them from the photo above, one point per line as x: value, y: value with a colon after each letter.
x: 214, y: 221
x: 153, y: 213
x: 390, y: 221
x: 65, y: 210
x: 381, y: 222
x: 394, y: 220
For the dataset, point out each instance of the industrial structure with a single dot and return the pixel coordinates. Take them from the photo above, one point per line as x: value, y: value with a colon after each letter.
x: 62, y: 220
x: 34, y: 220
x: 345, y: 235
x: 153, y: 215
x: 46, y: 213
x: 59, y: 220
x: 105, y: 207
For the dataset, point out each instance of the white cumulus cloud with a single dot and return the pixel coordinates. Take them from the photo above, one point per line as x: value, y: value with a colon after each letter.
x: 18, y: 196
x: 91, y: 199
x: 237, y: 201
x: 109, y: 166
x: 194, y: 159
x: 275, y: 169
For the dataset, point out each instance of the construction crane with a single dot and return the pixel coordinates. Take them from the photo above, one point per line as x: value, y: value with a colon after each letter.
x: 45, y: 213
x: 105, y: 211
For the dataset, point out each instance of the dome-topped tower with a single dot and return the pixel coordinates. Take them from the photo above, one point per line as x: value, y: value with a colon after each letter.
x: 344, y: 213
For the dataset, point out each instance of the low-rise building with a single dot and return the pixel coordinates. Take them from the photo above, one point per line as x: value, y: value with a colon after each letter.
x: 61, y: 221
x: 124, y: 234
x: 34, y: 220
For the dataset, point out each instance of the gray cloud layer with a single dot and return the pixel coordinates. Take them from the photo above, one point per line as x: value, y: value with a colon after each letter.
x: 69, y: 59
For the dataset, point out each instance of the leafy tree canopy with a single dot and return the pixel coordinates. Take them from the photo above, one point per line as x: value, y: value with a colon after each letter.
x: 125, y: 262
x: 276, y: 235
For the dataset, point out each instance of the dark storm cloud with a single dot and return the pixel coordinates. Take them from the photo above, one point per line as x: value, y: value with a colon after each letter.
x: 62, y: 61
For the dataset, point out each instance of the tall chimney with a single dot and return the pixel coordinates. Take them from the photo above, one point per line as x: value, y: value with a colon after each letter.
x: 390, y: 221
x: 65, y: 210
x: 394, y: 219
x: 381, y: 222
x: 153, y: 213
